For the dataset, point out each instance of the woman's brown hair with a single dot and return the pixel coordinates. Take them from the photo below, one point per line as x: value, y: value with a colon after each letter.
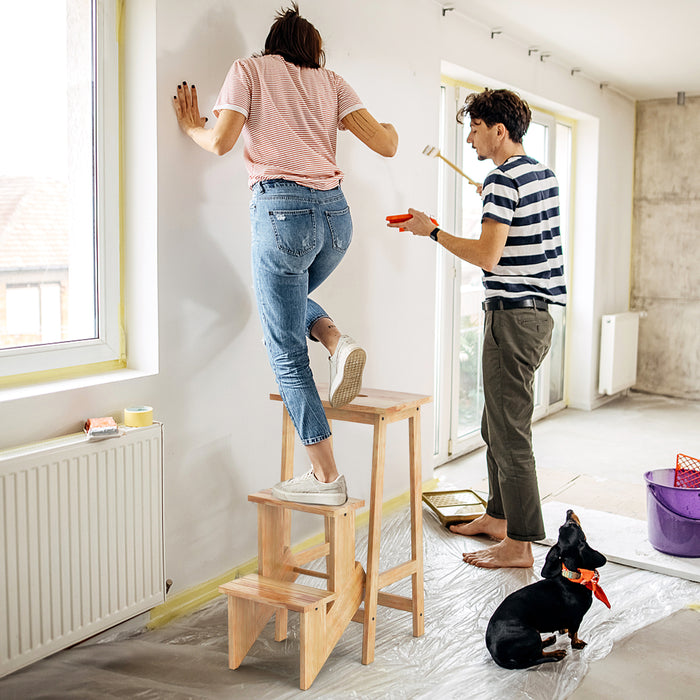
x: 295, y: 39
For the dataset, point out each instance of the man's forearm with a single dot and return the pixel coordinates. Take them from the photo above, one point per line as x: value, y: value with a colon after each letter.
x: 468, y: 249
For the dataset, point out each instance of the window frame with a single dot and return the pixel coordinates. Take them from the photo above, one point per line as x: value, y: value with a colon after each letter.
x: 29, y: 364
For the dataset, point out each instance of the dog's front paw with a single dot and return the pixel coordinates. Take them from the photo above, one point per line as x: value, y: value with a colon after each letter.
x: 576, y: 643
x: 549, y: 641
x: 556, y: 655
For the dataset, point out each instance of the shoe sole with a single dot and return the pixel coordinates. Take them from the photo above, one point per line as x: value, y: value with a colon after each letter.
x: 318, y: 499
x: 351, y: 382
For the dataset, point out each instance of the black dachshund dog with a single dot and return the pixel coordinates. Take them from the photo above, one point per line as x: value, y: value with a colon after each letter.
x: 557, y: 603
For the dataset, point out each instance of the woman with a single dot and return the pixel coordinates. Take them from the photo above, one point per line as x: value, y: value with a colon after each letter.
x: 288, y: 108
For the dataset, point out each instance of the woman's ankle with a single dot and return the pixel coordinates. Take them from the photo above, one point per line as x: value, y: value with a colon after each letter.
x: 324, y: 476
x: 327, y: 333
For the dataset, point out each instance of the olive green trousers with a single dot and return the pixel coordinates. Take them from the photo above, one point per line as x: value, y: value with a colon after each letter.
x: 515, y: 343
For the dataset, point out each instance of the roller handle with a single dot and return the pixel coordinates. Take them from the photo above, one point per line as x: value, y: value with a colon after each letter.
x: 463, y: 174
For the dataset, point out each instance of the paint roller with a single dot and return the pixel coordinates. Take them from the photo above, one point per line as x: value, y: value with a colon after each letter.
x: 434, y: 152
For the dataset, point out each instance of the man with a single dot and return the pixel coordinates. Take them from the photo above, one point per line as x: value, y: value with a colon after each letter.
x: 520, y: 252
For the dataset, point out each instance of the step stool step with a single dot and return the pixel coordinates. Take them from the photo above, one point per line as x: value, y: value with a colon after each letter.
x: 267, y: 498
x: 292, y: 596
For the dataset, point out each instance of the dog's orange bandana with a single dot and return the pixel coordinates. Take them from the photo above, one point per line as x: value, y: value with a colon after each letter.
x: 587, y: 578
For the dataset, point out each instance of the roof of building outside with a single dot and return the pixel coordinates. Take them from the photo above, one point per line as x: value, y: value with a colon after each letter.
x: 33, y: 223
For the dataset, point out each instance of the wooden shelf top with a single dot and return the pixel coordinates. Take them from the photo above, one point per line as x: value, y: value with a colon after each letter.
x: 267, y: 498
x: 292, y: 596
x: 376, y: 401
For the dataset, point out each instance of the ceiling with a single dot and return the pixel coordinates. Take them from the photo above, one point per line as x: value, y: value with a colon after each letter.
x: 645, y: 49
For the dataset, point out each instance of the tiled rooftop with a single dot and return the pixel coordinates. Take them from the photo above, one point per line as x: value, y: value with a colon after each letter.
x: 33, y: 223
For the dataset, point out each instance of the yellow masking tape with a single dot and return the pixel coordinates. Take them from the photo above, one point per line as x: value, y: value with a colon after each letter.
x: 138, y: 416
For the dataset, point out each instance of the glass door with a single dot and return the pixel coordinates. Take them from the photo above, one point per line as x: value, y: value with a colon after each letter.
x: 460, y: 317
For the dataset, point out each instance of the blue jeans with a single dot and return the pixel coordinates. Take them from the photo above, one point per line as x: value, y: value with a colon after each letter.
x: 300, y: 235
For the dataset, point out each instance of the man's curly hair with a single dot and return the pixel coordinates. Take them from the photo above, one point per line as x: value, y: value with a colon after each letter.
x: 498, y: 107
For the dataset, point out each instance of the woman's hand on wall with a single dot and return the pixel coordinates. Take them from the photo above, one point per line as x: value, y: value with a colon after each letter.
x: 187, y: 108
x: 219, y: 140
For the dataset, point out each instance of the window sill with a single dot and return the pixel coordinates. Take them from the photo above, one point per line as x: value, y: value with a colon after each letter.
x: 42, y: 389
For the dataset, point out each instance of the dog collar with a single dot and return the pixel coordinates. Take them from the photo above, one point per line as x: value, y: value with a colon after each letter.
x: 589, y: 579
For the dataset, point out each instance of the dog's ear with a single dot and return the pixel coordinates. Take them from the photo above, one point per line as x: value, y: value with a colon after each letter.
x: 552, y: 564
x: 592, y: 559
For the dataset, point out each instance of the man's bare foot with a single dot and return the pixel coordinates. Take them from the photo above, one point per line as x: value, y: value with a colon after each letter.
x: 506, y: 554
x: 483, y: 525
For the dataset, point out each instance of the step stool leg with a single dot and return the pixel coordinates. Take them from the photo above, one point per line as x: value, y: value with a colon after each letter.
x: 340, y: 564
x: 274, y: 534
x: 414, y: 448
x: 374, y: 536
x: 281, y: 619
x: 246, y: 620
x: 287, y: 470
x: 312, y: 653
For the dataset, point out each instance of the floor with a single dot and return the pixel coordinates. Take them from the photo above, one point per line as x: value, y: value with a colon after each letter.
x: 618, y: 443
x: 646, y: 646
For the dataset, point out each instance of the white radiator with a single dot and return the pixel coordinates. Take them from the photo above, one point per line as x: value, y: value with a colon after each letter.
x: 81, y: 540
x: 618, y: 352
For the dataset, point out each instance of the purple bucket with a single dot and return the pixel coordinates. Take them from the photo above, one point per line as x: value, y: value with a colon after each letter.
x: 673, y: 515
x: 682, y: 501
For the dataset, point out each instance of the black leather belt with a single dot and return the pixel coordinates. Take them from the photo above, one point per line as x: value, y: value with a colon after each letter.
x: 497, y: 303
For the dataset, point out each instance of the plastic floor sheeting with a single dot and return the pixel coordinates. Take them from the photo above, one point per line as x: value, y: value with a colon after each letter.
x: 188, y: 658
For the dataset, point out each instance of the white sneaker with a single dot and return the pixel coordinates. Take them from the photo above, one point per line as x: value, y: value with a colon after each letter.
x: 347, y: 365
x: 308, y: 489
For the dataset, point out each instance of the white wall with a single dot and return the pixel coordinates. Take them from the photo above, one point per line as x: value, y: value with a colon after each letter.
x: 222, y: 432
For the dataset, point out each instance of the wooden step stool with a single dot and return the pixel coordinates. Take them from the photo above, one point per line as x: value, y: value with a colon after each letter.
x: 379, y: 408
x: 324, y: 614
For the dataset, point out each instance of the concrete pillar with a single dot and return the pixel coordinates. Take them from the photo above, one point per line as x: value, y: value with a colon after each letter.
x: 666, y: 246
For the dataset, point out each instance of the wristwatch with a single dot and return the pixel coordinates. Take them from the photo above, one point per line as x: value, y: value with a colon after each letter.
x: 434, y: 233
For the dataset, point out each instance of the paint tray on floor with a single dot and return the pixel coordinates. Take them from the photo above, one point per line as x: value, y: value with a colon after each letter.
x: 455, y: 506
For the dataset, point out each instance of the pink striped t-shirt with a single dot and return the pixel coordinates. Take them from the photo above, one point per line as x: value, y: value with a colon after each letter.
x: 292, y: 118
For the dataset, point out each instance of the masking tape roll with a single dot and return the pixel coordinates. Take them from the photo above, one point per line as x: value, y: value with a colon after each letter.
x: 138, y: 416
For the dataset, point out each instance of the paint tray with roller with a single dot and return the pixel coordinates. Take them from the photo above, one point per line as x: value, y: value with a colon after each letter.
x: 451, y: 507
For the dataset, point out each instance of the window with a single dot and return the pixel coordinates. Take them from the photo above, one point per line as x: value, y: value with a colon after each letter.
x: 59, y: 187
x: 33, y: 313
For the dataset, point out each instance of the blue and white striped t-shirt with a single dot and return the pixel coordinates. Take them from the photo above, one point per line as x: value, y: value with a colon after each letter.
x: 524, y: 194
